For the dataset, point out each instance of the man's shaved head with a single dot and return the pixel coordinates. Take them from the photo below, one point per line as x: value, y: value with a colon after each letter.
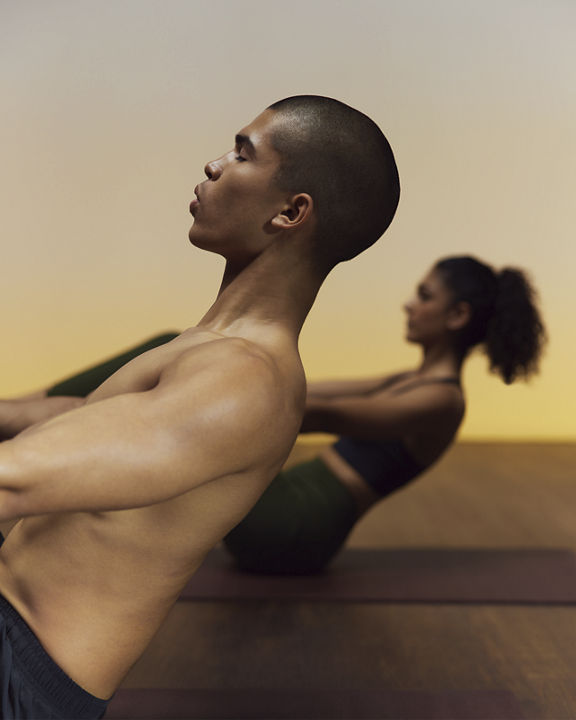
x: 341, y: 158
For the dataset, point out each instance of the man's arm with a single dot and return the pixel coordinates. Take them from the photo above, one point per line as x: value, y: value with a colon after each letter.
x: 18, y: 414
x: 132, y: 450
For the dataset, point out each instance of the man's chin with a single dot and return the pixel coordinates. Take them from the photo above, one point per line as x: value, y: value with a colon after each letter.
x: 202, y: 242
x: 196, y: 238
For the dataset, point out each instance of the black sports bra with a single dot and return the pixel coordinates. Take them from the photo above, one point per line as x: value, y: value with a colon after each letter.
x: 385, y: 466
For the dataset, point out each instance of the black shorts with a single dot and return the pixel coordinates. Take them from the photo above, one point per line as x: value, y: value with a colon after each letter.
x: 32, y: 686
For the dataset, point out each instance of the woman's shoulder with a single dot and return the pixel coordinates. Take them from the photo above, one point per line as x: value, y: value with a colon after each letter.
x: 435, y: 397
x: 411, y: 381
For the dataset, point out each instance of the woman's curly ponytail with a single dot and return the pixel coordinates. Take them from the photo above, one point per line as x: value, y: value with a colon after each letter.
x: 515, y: 332
x: 503, y: 314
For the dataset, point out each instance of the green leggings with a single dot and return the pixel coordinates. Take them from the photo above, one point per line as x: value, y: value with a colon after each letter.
x: 298, y: 524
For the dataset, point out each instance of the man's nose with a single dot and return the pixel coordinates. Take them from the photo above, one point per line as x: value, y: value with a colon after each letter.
x: 213, y: 170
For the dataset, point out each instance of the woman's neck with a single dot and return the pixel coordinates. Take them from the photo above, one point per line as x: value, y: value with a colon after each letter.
x: 441, y: 360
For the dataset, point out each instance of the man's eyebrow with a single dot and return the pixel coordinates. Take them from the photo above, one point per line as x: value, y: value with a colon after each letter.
x: 243, y: 141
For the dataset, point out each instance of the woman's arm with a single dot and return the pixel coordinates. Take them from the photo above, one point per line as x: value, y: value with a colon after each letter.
x: 327, y: 389
x: 381, y: 417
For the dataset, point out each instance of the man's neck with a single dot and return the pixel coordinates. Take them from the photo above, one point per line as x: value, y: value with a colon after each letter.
x: 274, y: 290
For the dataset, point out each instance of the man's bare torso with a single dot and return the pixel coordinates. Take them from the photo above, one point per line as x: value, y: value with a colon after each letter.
x: 83, y: 580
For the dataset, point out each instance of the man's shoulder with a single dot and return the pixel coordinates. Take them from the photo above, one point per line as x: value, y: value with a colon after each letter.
x: 238, y: 388
x: 232, y: 353
x: 234, y: 368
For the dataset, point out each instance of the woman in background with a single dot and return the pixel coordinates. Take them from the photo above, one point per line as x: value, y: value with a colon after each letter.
x: 392, y: 428
x: 395, y: 427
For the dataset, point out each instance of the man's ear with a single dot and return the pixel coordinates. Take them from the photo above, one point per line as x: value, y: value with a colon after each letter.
x: 459, y: 316
x: 297, y: 211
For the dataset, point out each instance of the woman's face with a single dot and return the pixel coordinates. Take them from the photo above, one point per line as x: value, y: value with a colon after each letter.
x: 429, y: 311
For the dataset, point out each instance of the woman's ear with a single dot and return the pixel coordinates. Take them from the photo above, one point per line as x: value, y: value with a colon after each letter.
x: 459, y: 316
x: 296, y: 212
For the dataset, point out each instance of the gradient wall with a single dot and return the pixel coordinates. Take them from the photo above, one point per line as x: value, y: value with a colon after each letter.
x: 111, y: 109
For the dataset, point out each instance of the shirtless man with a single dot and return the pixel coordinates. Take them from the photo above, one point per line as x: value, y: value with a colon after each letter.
x: 186, y: 436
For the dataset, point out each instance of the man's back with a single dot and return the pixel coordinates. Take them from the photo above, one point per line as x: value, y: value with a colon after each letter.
x: 82, y: 580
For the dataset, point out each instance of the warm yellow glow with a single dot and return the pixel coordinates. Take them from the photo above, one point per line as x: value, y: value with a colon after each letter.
x: 112, y: 109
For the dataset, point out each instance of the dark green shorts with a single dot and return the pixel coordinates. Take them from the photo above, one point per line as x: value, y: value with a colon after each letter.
x: 298, y: 525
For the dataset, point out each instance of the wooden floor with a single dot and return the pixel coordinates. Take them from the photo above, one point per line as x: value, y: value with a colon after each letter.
x: 479, y: 496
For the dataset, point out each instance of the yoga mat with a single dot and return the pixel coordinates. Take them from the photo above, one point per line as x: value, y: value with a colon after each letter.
x: 403, y: 575
x: 260, y: 704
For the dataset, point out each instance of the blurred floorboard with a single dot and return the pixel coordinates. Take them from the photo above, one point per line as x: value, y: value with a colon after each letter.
x: 479, y: 495
x: 530, y: 651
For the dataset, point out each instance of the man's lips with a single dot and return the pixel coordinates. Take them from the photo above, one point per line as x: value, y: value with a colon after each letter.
x: 194, y: 204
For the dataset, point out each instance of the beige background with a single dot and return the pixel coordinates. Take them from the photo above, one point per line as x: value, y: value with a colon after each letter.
x: 111, y: 109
